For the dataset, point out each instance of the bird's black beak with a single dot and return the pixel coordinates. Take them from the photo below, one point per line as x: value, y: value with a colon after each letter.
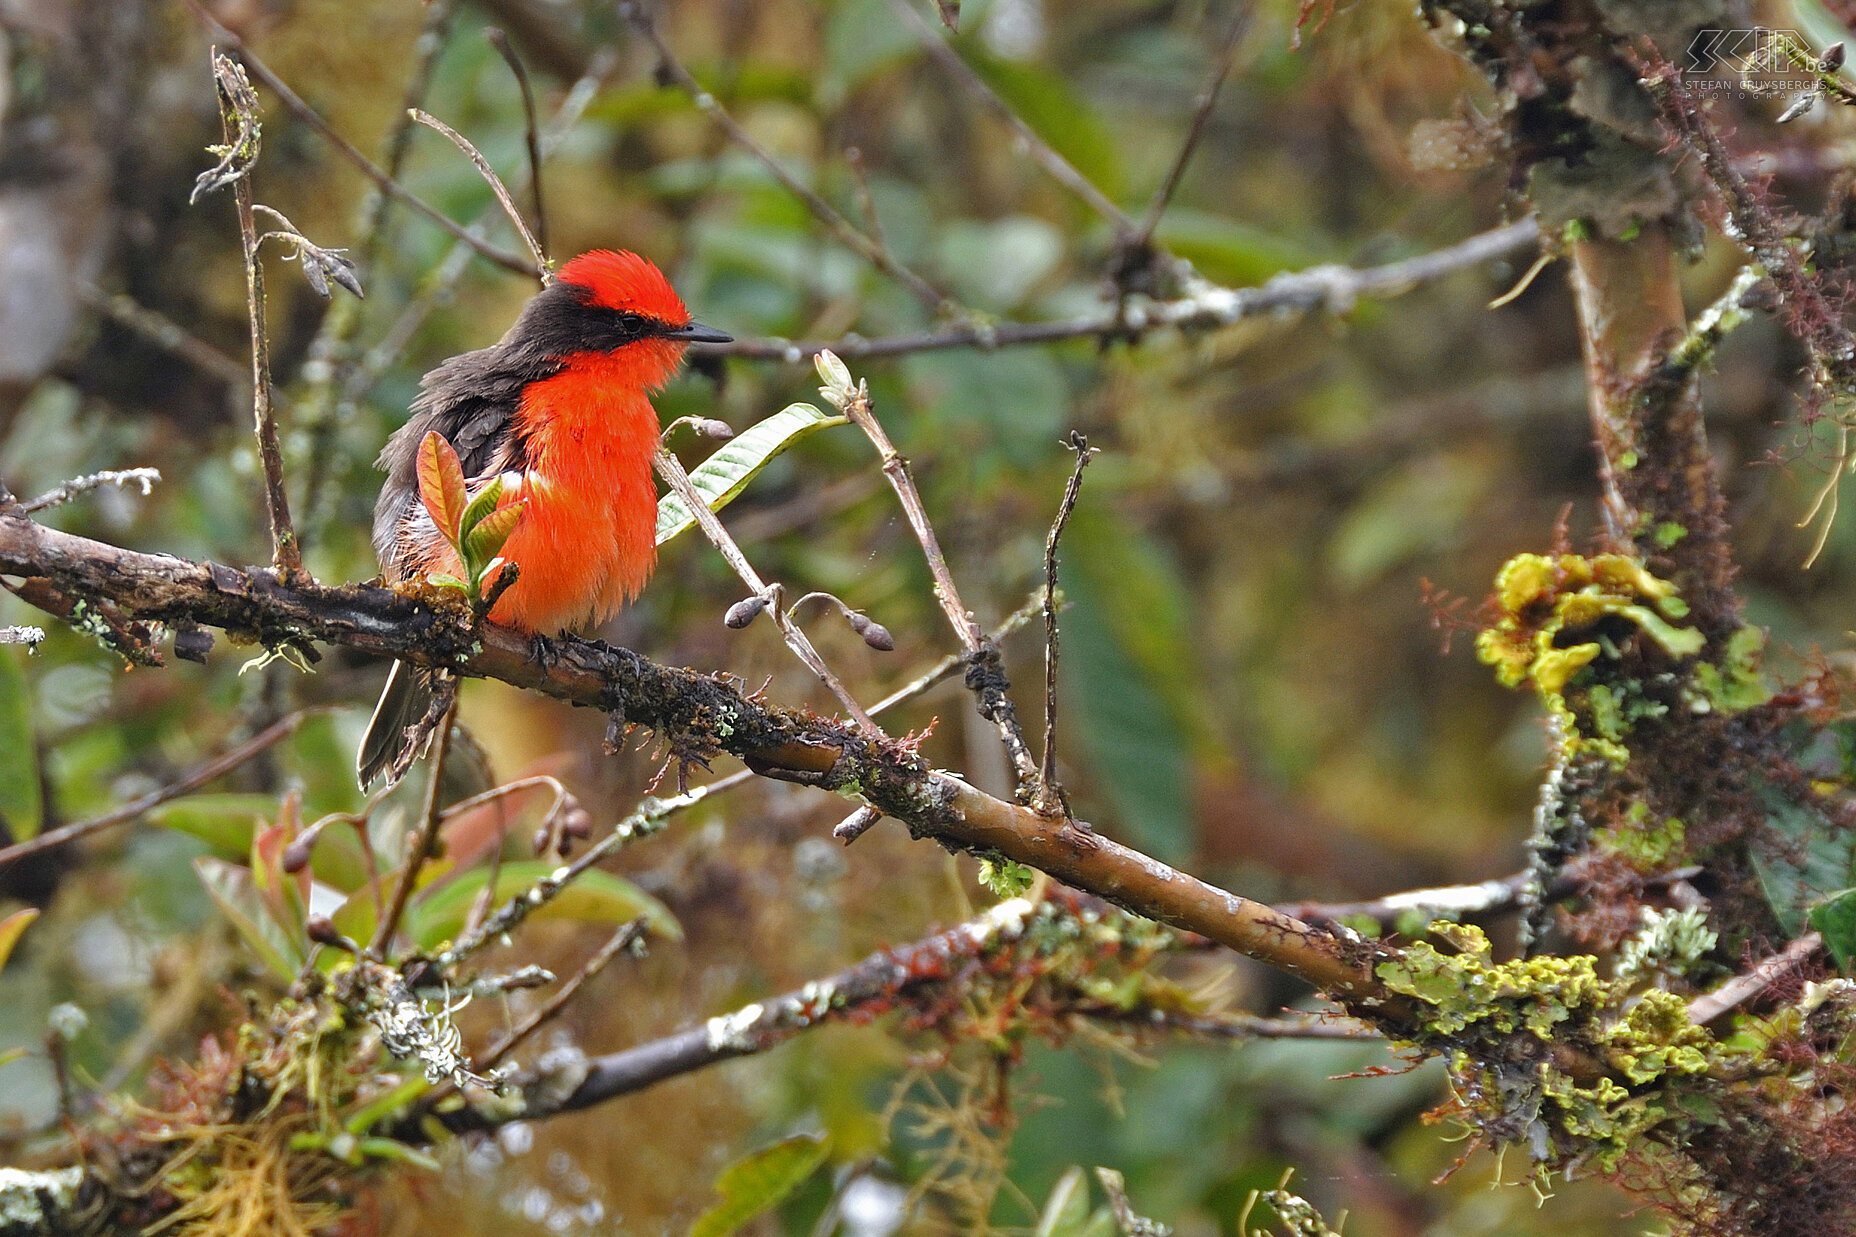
x: 697, y: 333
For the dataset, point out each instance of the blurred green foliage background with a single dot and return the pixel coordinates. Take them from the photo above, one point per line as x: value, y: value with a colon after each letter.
x: 1255, y: 688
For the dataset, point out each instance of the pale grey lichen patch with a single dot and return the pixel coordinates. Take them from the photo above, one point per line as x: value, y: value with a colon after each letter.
x: 30, y: 1202
x: 734, y: 1032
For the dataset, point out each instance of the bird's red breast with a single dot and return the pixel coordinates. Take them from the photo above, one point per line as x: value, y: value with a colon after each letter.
x: 560, y: 409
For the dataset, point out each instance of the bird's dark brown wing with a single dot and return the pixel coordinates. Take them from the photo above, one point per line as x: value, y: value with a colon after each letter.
x: 472, y: 400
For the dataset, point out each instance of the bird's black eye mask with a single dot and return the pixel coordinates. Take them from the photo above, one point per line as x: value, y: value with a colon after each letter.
x: 565, y: 320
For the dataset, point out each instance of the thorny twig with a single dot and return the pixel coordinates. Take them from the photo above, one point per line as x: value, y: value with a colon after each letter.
x: 142, y: 478
x: 532, y: 129
x: 294, y: 102
x: 1051, y: 798
x: 853, y: 400
x: 615, y: 945
x: 188, y: 782
x: 238, y: 110
x: 873, y: 251
x: 671, y: 470
x: 496, y: 185
x: 1204, y: 306
x: 429, y: 819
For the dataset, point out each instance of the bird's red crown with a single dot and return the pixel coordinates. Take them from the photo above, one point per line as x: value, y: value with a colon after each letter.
x: 628, y: 283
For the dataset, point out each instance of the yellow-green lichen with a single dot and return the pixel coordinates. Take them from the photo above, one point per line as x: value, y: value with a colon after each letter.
x: 1649, y: 845
x: 1733, y: 685
x: 1475, y: 1004
x: 1548, y: 632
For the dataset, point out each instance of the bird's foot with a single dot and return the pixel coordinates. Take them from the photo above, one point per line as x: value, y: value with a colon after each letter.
x: 543, y: 651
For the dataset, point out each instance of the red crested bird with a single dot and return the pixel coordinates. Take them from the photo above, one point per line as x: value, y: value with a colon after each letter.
x: 559, y: 409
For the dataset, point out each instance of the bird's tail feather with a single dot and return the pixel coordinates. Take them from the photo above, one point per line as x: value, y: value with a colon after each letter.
x: 403, y: 704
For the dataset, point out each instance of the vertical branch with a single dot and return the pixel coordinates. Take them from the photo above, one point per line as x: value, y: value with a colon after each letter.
x: 984, y: 674
x: 1654, y: 464
x: 1050, y: 791
x: 238, y: 115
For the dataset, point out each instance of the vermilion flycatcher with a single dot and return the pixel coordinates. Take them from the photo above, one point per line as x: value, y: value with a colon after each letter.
x: 559, y: 408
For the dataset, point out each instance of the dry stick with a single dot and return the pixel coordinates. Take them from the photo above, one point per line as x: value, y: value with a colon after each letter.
x: 1206, y: 306
x: 1049, y: 788
x: 670, y: 468
x: 997, y: 708
x: 238, y: 110
x: 1201, y: 114
x: 452, y: 266
x: 500, y: 42
x: 496, y: 186
x: 1059, y: 168
x: 620, y: 940
x: 368, y: 168
x: 1742, y: 988
x: 165, y: 333
x: 187, y: 783
x: 430, y: 817
x: 874, y: 252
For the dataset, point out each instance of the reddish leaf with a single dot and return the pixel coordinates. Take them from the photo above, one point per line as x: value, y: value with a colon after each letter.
x: 441, y: 483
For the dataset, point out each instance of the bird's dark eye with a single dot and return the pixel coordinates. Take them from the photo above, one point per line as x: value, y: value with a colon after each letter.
x: 632, y: 324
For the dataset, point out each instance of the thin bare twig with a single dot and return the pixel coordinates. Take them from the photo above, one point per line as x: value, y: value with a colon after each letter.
x: 619, y: 942
x: 238, y: 108
x: 429, y: 820
x: 290, y: 99
x: 1050, y: 790
x: 854, y: 402
x: 1203, y: 307
x: 873, y: 251
x: 1060, y: 168
x: 496, y: 186
x: 165, y: 334
x: 188, y: 782
x: 532, y: 128
x: 142, y: 478
x: 1201, y: 114
x: 670, y: 468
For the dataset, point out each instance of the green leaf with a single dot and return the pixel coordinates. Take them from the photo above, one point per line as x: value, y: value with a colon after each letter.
x: 727, y: 472
x: 10, y: 929
x: 757, y: 1182
x: 231, y: 887
x: 481, y: 504
x: 1131, y: 677
x: 1835, y: 918
x: 1067, y: 1208
x: 441, y: 483
x: 594, y: 897
x: 19, y: 755
x: 1814, y: 858
x: 485, y: 541
x: 225, y: 822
